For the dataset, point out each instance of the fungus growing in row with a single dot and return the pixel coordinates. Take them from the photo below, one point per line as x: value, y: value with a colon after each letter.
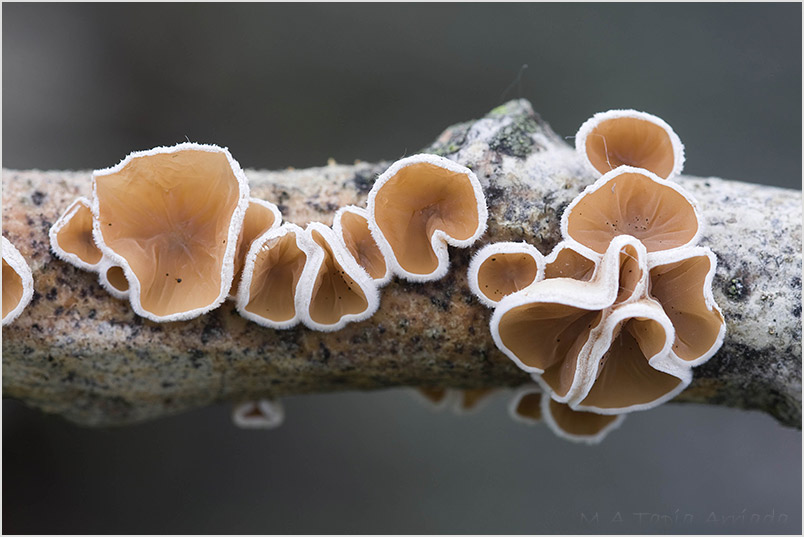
x: 352, y: 229
x: 17, y: 282
x: 629, y: 138
x: 417, y: 207
x: 261, y: 414
x: 566, y: 262
x: 71, y: 237
x: 170, y: 217
x: 113, y: 279
x: 335, y: 290
x: 271, y: 274
x: 503, y: 268
x: 629, y: 201
x: 261, y: 216
x: 531, y: 406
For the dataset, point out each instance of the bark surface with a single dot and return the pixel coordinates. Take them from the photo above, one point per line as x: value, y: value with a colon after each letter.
x: 78, y: 352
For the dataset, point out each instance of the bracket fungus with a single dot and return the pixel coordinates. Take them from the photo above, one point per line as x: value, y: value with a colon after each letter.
x: 17, y: 283
x: 351, y: 226
x: 418, y: 206
x: 71, y: 237
x: 626, y: 137
x: 260, y: 414
x: 503, y: 268
x: 170, y: 217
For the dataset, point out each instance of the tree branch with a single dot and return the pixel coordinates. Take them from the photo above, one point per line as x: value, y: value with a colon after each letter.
x: 80, y: 353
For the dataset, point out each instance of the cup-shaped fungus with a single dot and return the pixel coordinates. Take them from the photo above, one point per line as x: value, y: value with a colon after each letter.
x: 171, y: 217
x: 113, y: 279
x: 503, y: 268
x: 565, y: 261
x: 417, y: 207
x: 71, y: 237
x: 459, y: 401
x: 352, y: 229
x: 261, y: 216
x: 335, y: 290
x: 271, y: 275
x: 630, y: 201
x: 261, y: 414
x: 630, y: 138
x: 17, y: 282
x: 435, y: 398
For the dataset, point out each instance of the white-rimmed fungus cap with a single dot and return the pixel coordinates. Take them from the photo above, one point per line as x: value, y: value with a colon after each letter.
x: 351, y: 226
x: 503, y: 268
x: 112, y: 278
x: 17, y: 282
x: 260, y: 414
x: 170, y: 217
x: 261, y: 216
x: 71, y: 237
x: 629, y: 138
x: 417, y: 207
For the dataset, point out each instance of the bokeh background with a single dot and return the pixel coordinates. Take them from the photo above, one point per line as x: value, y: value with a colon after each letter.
x: 295, y: 84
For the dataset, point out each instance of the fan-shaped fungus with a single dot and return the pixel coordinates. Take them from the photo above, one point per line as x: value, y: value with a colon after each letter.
x: 261, y: 414
x: 503, y: 268
x: 171, y: 217
x: 71, y: 237
x: 417, y: 207
x: 352, y: 229
x: 261, y: 216
x: 17, y: 283
x: 630, y: 138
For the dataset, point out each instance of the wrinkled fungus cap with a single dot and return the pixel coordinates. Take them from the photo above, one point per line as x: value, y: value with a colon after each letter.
x: 352, y: 229
x: 271, y: 274
x: 17, y: 283
x: 629, y: 201
x: 503, y: 268
x: 71, y: 237
x: 417, y: 207
x: 335, y: 290
x: 261, y: 414
x: 171, y: 217
x: 630, y: 138
x: 261, y: 216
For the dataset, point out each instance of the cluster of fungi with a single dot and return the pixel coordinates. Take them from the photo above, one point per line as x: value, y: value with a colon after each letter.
x: 610, y: 322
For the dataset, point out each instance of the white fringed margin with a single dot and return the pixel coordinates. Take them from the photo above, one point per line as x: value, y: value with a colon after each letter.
x: 591, y: 124
x: 14, y: 258
x: 236, y: 222
x: 548, y: 418
x: 337, y: 226
x: 439, y: 239
x: 103, y: 279
x: 64, y: 219
x: 272, y: 414
x: 482, y: 255
x: 232, y: 295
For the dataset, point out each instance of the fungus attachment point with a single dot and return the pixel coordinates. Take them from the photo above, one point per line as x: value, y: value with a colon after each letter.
x: 351, y: 225
x: 261, y: 414
x: 261, y: 216
x: 335, y: 290
x: 71, y: 237
x: 418, y: 206
x: 271, y: 274
x: 17, y: 283
x: 630, y: 138
x: 629, y: 201
x: 503, y: 268
x: 171, y: 217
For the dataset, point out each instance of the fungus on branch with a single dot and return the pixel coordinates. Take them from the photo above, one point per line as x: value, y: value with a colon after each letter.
x: 17, y: 282
x: 503, y: 268
x: 351, y: 226
x: 261, y: 216
x: 113, y: 279
x: 71, y: 237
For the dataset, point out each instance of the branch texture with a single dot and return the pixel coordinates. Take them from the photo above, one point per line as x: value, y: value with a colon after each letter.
x: 78, y: 352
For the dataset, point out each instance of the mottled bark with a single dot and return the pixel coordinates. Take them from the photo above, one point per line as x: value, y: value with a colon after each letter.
x: 80, y: 353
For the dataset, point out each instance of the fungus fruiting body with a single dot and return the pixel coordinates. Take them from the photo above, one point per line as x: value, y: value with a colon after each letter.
x: 503, y: 268
x: 261, y: 216
x: 626, y: 137
x: 260, y: 414
x: 459, y: 401
x: 170, y: 217
x: 17, y: 282
x: 420, y: 205
x: 113, y: 279
x: 351, y: 226
x: 71, y: 237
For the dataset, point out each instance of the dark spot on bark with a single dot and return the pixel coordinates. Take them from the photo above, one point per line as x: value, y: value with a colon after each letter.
x: 167, y: 384
x: 52, y: 294
x: 38, y: 197
x: 736, y: 290
x: 363, y: 181
x: 92, y: 313
x: 325, y: 352
x: 58, y: 311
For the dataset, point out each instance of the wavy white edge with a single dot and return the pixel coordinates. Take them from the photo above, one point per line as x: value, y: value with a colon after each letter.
x: 569, y: 244
x: 487, y: 251
x: 709, y: 297
x: 14, y: 258
x: 236, y: 222
x: 273, y: 414
x: 447, y: 402
x: 244, y: 292
x: 518, y: 395
x: 315, y: 257
x: 337, y: 226
x: 549, y: 419
x: 439, y: 239
x: 232, y: 294
x: 612, y: 176
x: 599, y: 293
x: 590, y: 124
x: 63, y: 220
x: 103, y: 268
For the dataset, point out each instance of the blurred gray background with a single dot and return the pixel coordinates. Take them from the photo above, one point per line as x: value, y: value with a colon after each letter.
x: 293, y: 85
